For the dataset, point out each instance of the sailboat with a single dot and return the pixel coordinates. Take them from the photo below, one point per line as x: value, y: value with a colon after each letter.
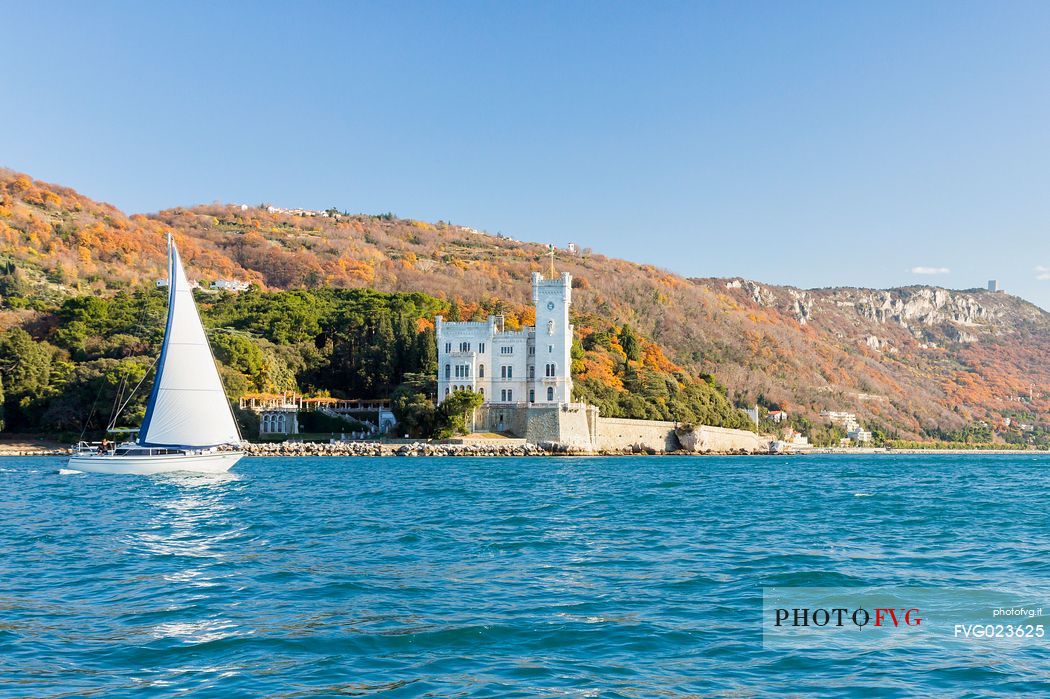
x: 189, y: 424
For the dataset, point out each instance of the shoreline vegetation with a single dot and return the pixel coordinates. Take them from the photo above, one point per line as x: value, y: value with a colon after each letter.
x: 88, y: 353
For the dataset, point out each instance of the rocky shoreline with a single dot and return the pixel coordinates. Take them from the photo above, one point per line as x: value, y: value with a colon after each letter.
x: 516, y: 448
x: 447, y: 449
x: 347, y: 449
x: 34, y: 451
x: 391, y: 449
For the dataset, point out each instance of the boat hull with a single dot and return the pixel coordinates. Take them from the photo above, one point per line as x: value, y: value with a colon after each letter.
x: 218, y: 462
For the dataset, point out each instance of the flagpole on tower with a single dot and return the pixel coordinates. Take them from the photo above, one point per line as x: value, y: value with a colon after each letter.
x: 550, y: 251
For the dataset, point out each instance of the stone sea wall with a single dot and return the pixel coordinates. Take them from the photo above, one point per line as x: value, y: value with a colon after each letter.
x: 619, y: 435
x: 721, y: 440
x: 501, y: 418
x: 570, y: 427
x: 578, y: 428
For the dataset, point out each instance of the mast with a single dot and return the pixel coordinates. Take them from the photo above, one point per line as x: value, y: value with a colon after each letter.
x: 152, y: 402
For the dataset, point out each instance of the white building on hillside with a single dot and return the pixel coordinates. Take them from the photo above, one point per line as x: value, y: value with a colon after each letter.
x: 859, y: 434
x: 846, y: 420
x: 230, y: 285
x: 512, y: 367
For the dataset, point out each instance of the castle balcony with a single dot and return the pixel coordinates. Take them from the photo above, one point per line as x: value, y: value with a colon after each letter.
x: 257, y: 402
x: 343, y: 406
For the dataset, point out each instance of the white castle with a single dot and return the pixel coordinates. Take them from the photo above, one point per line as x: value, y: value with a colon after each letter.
x: 526, y: 380
x: 523, y: 367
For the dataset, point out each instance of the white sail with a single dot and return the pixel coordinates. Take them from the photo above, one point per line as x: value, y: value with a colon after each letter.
x: 188, y: 406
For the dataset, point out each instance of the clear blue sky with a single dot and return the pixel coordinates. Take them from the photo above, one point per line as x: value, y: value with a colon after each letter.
x: 809, y: 143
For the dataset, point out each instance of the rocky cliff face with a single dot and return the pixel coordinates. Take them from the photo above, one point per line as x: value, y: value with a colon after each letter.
x: 910, y: 359
x: 928, y: 313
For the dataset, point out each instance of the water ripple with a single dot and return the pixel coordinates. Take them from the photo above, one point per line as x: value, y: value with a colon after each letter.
x: 629, y: 577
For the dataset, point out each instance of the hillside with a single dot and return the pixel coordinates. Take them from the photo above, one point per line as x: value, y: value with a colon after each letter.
x: 916, y: 362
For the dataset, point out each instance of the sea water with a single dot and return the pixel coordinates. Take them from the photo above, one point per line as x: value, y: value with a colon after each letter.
x: 631, y: 576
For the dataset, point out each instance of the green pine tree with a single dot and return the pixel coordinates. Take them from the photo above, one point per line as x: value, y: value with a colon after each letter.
x: 629, y: 341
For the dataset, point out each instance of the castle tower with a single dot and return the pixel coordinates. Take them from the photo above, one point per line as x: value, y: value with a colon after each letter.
x: 552, y: 381
x: 530, y: 366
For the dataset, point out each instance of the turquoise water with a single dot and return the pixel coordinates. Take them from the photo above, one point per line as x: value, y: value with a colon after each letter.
x: 632, y: 577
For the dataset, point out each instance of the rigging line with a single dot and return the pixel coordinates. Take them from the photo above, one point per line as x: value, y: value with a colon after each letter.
x: 90, y: 414
x: 132, y: 394
x: 123, y: 388
x: 116, y: 399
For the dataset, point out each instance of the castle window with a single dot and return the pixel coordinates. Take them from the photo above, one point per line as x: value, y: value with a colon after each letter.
x: 446, y: 390
x: 503, y: 395
x: 506, y: 349
x: 550, y: 349
x: 481, y: 371
x: 550, y: 370
x: 464, y: 347
x: 532, y: 396
x: 448, y: 347
x: 550, y: 393
x: 482, y: 390
x: 532, y: 371
x: 532, y: 351
x: 481, y: 347
x: 448, y: 372
x: 510, y: 395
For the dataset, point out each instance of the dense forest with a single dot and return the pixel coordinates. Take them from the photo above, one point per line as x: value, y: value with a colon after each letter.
x: 65, y: 370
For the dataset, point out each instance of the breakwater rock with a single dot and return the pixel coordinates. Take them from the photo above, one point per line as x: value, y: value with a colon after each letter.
x: 513, y: 448
x: 313, y: 449
x: 392, y: 449
x: 35, y: 451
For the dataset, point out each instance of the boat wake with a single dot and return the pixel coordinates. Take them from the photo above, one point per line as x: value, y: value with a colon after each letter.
x: 69, y: 472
